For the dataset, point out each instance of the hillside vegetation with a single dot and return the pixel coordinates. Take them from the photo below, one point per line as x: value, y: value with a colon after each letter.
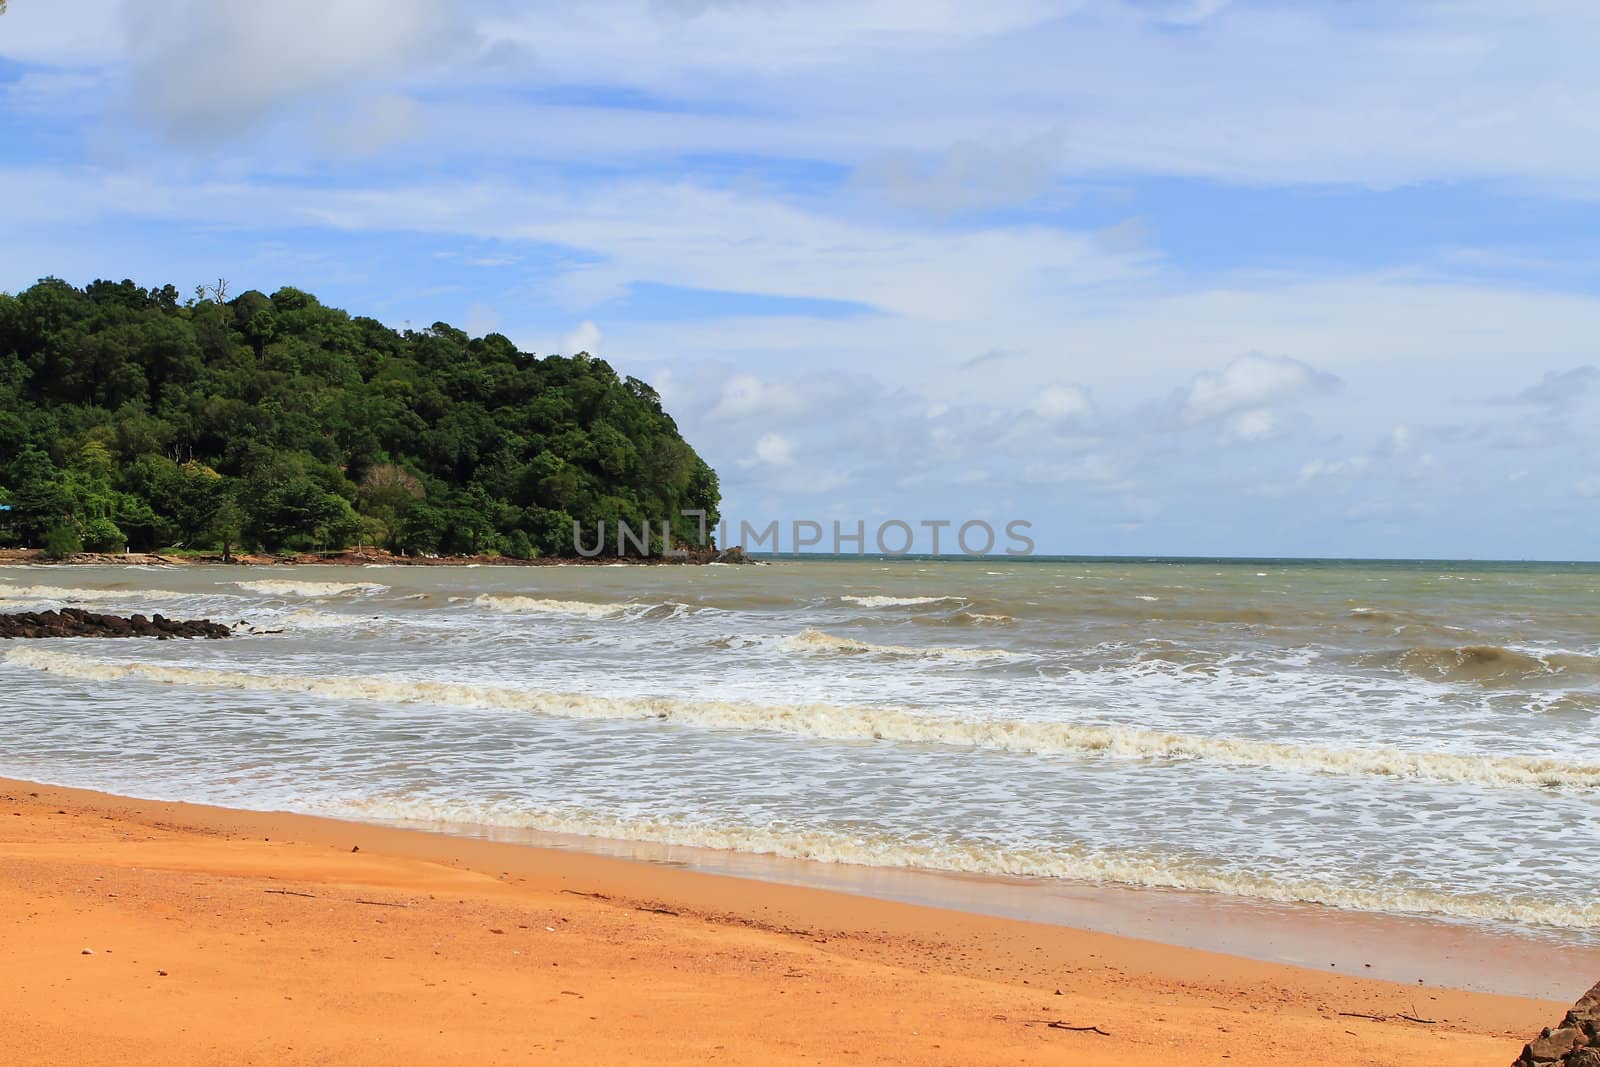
x: 130, y: 417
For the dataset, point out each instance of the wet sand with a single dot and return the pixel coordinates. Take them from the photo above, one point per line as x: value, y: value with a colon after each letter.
x: 226, y: 936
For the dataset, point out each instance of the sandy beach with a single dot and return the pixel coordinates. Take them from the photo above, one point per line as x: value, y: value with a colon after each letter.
x: 144, y: 932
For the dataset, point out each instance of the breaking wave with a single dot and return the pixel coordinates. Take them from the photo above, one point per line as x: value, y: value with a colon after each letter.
x: 1494, y: 664
x: 302, y: 619
x: 527, y: 605
x: 538, y: 606
x: 819, y: 642
x: 82, y: 596
x: 899, y: 601
x: 279, y: 587
x: 852, y: 723
x: 962, y: 617
x: 831, y: 846
x: 585, y: 609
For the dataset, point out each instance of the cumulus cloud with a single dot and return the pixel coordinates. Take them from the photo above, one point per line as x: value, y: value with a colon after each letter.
x: 1256, y: 424
x: 585, y: 337
x: 748, y: 397
x: 578, y: 142
x: 1563, y: 389
x: 775, y: 449
x: 208, y: 71
x: 1244, y: 390
x: 1063, y: 402
x: 1398, y: 455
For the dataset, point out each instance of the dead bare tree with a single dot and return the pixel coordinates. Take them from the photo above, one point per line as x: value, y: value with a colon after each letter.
x: 219, y: 292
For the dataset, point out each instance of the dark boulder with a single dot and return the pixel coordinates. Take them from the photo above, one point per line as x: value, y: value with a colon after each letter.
x: 1575, y: 1043
x: 75, y: 622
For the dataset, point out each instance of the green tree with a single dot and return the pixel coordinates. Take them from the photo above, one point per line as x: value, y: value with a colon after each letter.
x: 279, y: 421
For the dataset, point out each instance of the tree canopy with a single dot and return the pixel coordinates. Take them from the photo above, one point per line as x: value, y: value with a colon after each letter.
x: 133, y: 417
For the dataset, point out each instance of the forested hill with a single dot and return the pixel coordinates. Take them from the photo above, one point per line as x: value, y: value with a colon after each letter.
x: 133, y: 417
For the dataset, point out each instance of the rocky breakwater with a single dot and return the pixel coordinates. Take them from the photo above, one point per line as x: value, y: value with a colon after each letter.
x: 75, y: 622
x: 1575, y: 1043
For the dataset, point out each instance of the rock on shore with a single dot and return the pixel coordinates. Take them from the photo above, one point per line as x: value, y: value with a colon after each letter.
x: 75, y: 622
x: 1575, y: 1043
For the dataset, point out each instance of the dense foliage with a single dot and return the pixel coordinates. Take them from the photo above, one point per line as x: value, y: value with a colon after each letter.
x: 131, y: 417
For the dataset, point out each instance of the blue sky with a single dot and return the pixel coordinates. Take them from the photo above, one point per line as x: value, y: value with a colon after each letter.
x: 1170, y: 276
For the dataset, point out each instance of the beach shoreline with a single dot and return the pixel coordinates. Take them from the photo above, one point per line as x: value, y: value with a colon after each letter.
x: 12, y: 557
x: 354, y: 943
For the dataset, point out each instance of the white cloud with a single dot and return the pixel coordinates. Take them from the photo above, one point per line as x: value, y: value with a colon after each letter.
x: 1563, y: 389
x: 775, y: 449
x: 968, y: 176
x: 1063, y: 402
x: 747, y: 397
x: 585, y: 337
x: 977, y: 116
x: 206, y: 71
x: 1251, y: 382
x: 1257, y: 424
x: 1382, y: 93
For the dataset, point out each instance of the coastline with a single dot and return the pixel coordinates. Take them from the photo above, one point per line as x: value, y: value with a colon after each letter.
x: 33, y: 557
x: 356, y: 943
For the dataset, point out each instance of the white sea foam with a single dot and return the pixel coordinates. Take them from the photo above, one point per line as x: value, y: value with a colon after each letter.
x: 898, y: 601
x: 849, y: 723
x: 539, y: 606
x: 587, y: 609
x: 818, y: 642
x: 832, y: 846
x: 280, y: 587
x: 302, y: 619
x: 44, y: 593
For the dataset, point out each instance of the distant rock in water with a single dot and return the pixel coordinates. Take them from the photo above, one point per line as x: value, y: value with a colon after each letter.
x: 1575, y: 1043
x: 75, y: 622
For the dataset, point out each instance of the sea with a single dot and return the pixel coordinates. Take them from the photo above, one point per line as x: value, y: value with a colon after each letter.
x: 1397, y: 738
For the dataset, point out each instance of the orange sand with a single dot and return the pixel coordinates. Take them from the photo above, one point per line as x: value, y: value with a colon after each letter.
x: 227, y: 936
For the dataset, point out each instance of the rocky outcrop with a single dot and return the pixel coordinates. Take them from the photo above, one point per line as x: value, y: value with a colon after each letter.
x: 711, y: 555
x: 75, y: 622
x: 1575, y: 1043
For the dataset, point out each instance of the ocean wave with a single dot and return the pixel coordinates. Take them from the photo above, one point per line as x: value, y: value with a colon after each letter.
x: 899, y: 601
x: 302, y: 619
x: 853, y: 723
x: 961, y: 617
x: 520, y: 605
x: 1494, y: 664
x: 588, y: 609
x: 281, y: 587
x: 83, y: 596
x: 818, y: 642
x: 882, y: 850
